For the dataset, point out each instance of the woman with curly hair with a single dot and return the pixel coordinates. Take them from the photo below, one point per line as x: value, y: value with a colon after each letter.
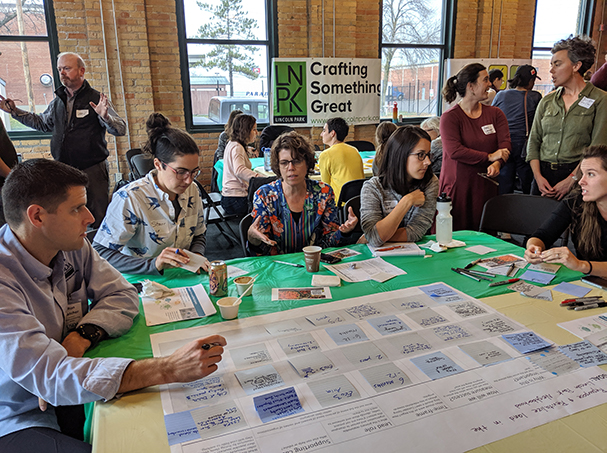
x: 294, y: 211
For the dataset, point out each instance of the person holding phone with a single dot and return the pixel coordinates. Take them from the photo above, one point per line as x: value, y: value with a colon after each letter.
x: 399, y: 205
x: 151, y: 221
x: 294, y: 211
x: 584, y: 212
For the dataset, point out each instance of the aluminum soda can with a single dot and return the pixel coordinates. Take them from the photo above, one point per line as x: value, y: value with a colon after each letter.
x: 218, y: 278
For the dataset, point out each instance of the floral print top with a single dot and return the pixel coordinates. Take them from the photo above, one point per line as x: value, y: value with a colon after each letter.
x: 317, y: 225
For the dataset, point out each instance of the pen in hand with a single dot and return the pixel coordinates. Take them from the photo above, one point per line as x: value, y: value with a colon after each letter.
x: 207, y: 346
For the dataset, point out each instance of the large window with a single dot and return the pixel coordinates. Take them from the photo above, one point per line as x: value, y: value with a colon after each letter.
x: 416, y: 37
x: 225, y: 53
x: 28, y: 50
x: 556, y: 20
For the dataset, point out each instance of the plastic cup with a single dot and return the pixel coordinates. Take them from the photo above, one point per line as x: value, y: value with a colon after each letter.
x: 227, y: 310
x: 242, y: 283
x: 312, y: 256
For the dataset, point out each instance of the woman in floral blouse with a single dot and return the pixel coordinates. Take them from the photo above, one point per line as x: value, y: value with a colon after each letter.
x: 294, y: 211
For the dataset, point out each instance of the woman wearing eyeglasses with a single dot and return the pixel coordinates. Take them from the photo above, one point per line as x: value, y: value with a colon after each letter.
x: 294, y: 211
x: 152, y: 220
x: 237, y: 166
x: 476, y: 143
x: 399, y: 204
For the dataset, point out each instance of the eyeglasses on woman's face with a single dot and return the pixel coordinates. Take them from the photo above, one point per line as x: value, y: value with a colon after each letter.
x: 421, y: 155
x: 183, y: 173
x: 296, y: 162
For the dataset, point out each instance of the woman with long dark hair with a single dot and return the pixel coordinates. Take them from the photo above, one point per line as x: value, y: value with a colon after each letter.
x: 399, y: 204
x: 476, y: 143
x: 584, y: 212
x: 152, y: 220
x: 237, y: 165
x: 382, y: 134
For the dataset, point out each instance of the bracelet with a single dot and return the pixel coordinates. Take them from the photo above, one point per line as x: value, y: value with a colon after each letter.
x: 590, y: 270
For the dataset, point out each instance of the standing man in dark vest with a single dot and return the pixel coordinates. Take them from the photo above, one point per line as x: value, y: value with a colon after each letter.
x: 78, y: 117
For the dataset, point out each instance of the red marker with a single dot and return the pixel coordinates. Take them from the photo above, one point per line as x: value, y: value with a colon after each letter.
x: 505, y: 282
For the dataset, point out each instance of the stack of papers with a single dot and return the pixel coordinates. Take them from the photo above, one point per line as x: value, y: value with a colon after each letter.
x: 190, y: 302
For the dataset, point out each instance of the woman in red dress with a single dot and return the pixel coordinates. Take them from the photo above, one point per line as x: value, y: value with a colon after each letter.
x: 476, y: 141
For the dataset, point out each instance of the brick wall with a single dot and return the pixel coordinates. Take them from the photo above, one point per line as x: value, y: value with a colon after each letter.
x: 149, y: 53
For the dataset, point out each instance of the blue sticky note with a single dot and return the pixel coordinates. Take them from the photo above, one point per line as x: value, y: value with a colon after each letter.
x: 181, y: 427
x: 387, y: 325
x: 346, y: 334
x: 279, y: 404
x: 537, y: 277
x: 436, y: 365
x: 438, y: 290
x: 571, y: 289
x: 525, y: 342
x: 584, y: 353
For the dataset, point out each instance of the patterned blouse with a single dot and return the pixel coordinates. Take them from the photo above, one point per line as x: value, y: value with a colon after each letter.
x: 317, y: 225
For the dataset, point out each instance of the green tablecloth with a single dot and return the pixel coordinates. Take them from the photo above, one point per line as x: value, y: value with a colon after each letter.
x: 258, y: 162
x: 420, y: 271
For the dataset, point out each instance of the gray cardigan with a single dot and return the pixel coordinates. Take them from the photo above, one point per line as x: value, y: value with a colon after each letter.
x: 377, y: 202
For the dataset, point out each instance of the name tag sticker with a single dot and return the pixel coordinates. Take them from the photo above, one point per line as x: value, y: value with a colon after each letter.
x: 81, y: 113
x: 586, y: 102
x: 488, y: 129
x: 73, y: 315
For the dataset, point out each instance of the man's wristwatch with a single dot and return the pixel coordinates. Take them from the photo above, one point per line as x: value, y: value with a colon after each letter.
x: 92, y: 333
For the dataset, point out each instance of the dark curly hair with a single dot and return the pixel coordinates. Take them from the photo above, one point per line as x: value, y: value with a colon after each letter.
x: 579, y: 49
x: 299, y: 146
x: 165, y: 142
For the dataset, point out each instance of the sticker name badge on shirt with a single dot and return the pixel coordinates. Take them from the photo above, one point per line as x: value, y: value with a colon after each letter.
x: 488, y: 129
x: 81, y: 113
x: 586, y: 102
x: 74, y: 314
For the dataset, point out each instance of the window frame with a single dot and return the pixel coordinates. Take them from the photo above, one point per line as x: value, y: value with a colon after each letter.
x: 445, y: 48
x: 271, y: 44
x: 53, y: 43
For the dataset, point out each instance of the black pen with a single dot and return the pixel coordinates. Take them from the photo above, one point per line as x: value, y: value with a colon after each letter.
x: 207, y: 346
x: 586, y: 307
x: 474, y: 274
x: 465, y: 274
x: 473, y: 263
x: 486, y: 274
x: 512, y: 268
x: 289, y: 264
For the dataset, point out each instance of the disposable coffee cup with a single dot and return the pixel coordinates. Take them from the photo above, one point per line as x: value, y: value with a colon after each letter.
x: 227, y: 310
x: 312, y: 256
x: 242, y: 283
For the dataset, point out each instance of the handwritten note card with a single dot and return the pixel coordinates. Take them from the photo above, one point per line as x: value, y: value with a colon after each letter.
x: 441, y: 293
x: 485, y: 353
x: 427, y: 317
x: 284, y: 328
x: 494, y: 325
x: 364, y: 354
x: 526, y: 342
x: 436, y: 365
x: 252, y: 355
x: 205, y: 391
x: 451, y: 332
x: 467, y: 309
x: 276, y: 405
x: 411, y: 343
x: 346, y: 334
x: 584, y: 353
x: 387, y: 325
x: 331, y: 317
x: 180, y: 427
x: 310, y: 364
x: 413, y: 302
x: 553, y: 361
x: 385, y: 377
x: 363, y: 311
x: 333, y: 390
x: 299, y: 344
x: 218, y: 419
x: 259, y: 379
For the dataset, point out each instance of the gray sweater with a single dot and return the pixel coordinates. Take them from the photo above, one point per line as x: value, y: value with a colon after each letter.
x: 377, y: 202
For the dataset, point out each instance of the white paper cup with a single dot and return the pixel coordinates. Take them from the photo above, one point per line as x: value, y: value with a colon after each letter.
x: 312, y: 256
x: 242, y: 283
x: 227, y: 310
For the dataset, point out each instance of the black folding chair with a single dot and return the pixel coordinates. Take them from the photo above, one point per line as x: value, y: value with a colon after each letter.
x: 353, y: 203
x: 349, y: 190
x: 139, y: 162
x: 243, y: 228
x: 215, y: 215
x: 517, y: 213
x: 256, y: 183
x: 362, y: 145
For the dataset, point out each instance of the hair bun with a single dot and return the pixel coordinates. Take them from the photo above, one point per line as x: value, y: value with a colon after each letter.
x: 156, y: 124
